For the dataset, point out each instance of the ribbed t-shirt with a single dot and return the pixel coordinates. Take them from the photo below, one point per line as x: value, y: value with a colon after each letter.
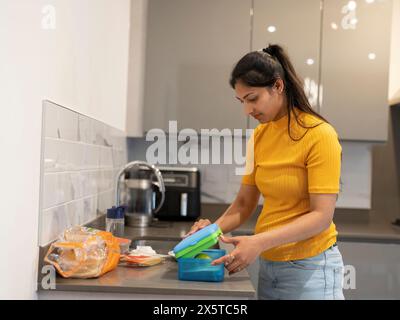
x: 286, y: 171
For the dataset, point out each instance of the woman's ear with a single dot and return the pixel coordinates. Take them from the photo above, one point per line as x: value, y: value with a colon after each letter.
x: 279, y: 86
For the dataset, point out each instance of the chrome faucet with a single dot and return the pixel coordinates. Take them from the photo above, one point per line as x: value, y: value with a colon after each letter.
x: 140, y: 196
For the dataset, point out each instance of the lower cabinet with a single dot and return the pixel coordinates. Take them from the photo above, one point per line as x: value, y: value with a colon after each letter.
x: 375, y: 267
x: 372, y: 270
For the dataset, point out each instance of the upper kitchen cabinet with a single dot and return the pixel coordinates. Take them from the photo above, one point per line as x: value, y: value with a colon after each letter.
x: 295, y: 25
x: 192, y: 47
x: 355, y: 67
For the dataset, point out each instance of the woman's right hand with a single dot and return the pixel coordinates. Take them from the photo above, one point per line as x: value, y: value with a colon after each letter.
x: 197, y: 226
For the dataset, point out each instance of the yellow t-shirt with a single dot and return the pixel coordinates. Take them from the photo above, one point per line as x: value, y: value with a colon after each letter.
x: 286, y: 171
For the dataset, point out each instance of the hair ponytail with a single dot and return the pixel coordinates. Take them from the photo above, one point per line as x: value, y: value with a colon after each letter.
x: 262, y: 69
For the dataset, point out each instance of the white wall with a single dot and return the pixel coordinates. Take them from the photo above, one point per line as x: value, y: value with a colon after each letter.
x: 394, y: 75
x: 137, y: 54
x: 82, y: 63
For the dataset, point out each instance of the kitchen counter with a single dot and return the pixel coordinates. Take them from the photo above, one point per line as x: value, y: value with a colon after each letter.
x: 159, y: 281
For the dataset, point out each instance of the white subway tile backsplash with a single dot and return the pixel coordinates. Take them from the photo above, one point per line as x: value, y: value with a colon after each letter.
x: 99, y: 128
x: 89, y: 208
x: 106, y: 157
x: 77, y: 184
x: 115, y: 139
x: 93, y: 182
x: 106, y: 180
x: 67, y: 124
x: 91, y: 157
x: 74, y: 213
x: 81, y: 158
x: 64, y: 188
x: 54, y: 222
x: 105, y: 200
x: 106, y: 137
x: 51, y: 121
x: 86, y: 131
x: 69, y: 155
x: 49, y: 196
x: 50, y: 157
x: 119, y: 157
x: 57, y: 189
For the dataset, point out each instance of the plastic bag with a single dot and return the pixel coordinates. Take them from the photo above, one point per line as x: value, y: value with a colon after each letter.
x: 84, y: 252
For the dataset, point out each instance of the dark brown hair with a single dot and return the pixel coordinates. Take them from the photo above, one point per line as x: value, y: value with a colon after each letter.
x: 262, y: 69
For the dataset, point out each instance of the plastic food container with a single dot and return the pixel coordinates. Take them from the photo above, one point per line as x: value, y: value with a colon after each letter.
x: 197, y: 269
x: 197, y: 242
x: 194, y: 256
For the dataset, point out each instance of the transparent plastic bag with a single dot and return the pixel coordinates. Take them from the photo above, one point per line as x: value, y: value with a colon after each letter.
x: 82, y: 252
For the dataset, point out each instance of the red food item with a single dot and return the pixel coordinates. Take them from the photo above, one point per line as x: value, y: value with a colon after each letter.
x: 141, y: 260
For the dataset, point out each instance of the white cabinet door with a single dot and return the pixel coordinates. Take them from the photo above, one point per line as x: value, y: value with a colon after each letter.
x: 355, y: 65
x: 296, y: 27
x: 192, y: 47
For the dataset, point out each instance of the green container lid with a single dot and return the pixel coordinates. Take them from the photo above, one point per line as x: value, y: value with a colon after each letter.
x: 197, y: 242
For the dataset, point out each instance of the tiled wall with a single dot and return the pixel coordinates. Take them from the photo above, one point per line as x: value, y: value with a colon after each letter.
x: 80, y: 160
x: 220, y: 184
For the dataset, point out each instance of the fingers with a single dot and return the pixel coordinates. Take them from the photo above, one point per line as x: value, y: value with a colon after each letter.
x: 192, y: 230
x: 232, y: 263
x: 232, y: 240
x: 238, y: 269
x: 197, y: 226
x: 227, y: 259
x: 236, y: 266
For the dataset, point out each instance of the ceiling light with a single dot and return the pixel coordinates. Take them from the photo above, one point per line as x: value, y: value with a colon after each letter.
x: 352, y: 5
x: 310, y: 61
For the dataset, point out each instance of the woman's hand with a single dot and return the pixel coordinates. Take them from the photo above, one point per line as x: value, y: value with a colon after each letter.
x: 247, y: 249
x: 197, y: 226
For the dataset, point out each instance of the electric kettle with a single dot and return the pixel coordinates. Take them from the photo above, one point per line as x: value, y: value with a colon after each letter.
x: 134, y: 190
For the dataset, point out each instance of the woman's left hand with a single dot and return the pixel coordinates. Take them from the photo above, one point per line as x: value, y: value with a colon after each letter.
x: 247, y: 249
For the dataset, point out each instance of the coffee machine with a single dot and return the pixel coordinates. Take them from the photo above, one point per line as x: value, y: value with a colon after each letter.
x: 135, y: 191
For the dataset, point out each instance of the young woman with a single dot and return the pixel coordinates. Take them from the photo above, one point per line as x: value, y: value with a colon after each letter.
x: 297, y: 160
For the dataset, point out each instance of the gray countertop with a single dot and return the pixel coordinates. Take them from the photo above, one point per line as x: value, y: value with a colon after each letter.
x: 160, y: 279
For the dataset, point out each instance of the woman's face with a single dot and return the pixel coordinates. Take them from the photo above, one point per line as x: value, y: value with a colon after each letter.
x: 263, y: 104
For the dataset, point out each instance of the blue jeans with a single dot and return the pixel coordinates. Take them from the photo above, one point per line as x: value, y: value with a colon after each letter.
x: 319, y: 277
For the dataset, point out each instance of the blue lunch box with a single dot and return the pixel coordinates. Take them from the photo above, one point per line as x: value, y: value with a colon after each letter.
x: 194, y: 256
x: 194, y: 269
